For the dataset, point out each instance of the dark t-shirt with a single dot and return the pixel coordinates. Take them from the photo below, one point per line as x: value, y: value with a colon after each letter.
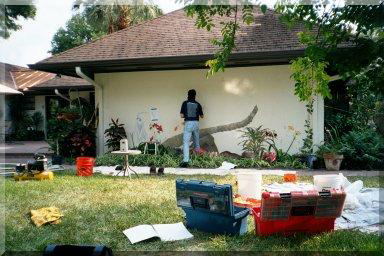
x: 191, y: 110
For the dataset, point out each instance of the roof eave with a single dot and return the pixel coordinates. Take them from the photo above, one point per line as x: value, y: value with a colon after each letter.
x: 168, y: 62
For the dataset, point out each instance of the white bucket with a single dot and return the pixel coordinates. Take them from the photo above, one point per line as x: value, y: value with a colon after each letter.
x: 328, y: 181
x: 249, y: 184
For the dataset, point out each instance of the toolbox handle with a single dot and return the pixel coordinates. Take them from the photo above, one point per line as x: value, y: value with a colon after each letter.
x: 325, y: 193
x: 198, y: 202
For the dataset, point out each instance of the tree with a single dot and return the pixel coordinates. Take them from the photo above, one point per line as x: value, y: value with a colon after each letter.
x: 9, y: 14
x: 96, y: 20
x: 76, y: 32
x: 326, y: 27
x: 114, y: 17
x: 347, y: 40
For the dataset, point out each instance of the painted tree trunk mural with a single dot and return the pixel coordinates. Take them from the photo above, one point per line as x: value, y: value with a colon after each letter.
x: 206, y: 139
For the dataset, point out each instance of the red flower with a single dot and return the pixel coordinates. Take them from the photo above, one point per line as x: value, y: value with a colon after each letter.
x: 270, y: 157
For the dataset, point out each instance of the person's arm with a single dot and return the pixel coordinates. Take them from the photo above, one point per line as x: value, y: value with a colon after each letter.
x: 200, y: 109
x: 183, y: 110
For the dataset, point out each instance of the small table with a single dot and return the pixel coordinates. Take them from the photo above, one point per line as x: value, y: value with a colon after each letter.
x: 126, y: 167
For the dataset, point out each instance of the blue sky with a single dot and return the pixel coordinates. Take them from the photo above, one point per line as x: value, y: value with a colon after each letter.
x: 33, y: 41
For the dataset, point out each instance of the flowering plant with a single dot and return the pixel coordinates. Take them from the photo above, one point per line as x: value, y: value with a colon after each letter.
x: 270, y: 157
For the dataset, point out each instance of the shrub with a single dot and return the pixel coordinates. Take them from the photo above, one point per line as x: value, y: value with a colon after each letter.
x: 114, y: 134
x: 197, y: 161
x: 363, y: 150
x: 161, y: 149
x: 67, y: 134
x: 109, y: 160
x: 257, y: 140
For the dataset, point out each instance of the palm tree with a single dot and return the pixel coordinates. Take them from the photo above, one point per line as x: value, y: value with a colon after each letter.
x: 115, y: 16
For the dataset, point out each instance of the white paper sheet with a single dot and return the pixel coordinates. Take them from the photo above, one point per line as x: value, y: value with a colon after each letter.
x: 140, y: 233
x: 226, y: 166
x: 172, y: 232
x: 166, y: 232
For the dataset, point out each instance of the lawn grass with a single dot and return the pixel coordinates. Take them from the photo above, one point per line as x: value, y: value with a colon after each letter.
x: 97, y: 209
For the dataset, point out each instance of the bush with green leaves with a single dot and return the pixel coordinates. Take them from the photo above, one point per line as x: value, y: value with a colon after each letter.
x: 114, y: 133
x: 363, y: 150
x: 198, y: 161
x: 37, y: 120
x: 257, y: 140
x: 70, y: 133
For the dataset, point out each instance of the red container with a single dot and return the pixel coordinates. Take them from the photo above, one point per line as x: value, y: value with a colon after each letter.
x: 84, y: 166
x: 304, y: 211
x: 295, y: 224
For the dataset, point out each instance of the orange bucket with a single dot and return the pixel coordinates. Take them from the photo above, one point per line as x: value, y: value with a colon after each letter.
x: 84, y: 166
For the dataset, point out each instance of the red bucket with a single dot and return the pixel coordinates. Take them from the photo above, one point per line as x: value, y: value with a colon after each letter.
x: 84, y: 166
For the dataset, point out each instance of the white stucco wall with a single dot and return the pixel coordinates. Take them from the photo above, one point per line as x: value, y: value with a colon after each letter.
x: 226, y: 97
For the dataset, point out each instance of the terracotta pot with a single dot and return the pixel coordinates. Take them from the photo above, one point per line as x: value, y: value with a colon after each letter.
x: 332, y: 161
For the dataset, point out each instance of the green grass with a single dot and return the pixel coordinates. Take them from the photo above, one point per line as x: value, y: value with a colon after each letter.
x: 97, y: 209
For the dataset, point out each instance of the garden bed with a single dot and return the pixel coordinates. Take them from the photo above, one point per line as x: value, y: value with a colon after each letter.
x: 198, y: 161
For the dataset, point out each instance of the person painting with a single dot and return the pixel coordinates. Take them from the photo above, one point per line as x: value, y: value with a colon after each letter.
x: 191, y: 111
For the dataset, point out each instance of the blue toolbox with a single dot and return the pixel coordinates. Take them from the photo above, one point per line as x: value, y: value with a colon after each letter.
x: 209, y: 207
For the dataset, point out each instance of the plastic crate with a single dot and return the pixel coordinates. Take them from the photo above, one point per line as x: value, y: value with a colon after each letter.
x: 295, y: 224
x: 209, y: 207
x: 306, y: 211
x: 218, y: 223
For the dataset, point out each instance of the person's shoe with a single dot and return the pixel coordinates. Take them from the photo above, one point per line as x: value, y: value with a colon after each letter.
x: 160, y: 171
x: 184, y: 165
x: 152, y: 170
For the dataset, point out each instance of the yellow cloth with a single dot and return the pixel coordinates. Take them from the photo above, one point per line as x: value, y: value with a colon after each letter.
x: 46, y: 215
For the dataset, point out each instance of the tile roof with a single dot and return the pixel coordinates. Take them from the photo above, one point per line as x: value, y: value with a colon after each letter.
x: 63, y: 82
x: 22, y: 79
x: 5, y: 74
x: 175, y: 34
x: 29, y: 78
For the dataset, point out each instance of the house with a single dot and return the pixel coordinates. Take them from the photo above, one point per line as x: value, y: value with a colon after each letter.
x: 155, y: 63
x: 38, y: 91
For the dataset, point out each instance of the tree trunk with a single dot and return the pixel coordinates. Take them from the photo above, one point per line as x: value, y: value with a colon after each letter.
x: 177, y: 141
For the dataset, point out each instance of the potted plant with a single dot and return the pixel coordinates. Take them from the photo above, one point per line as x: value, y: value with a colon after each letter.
x: 331, y: 151
x: 114, y: 134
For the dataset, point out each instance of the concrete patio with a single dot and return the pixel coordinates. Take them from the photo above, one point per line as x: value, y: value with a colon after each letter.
x: 22, y: 151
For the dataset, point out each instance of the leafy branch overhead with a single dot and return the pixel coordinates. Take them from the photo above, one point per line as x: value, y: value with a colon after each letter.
x: 241, y: 12
x: 327, y: 31
x: 10, y: 14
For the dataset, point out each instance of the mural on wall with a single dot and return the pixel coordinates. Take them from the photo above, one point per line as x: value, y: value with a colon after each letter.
x: 141, y: 134
x: 148, y: 133
x: 207, y: 141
